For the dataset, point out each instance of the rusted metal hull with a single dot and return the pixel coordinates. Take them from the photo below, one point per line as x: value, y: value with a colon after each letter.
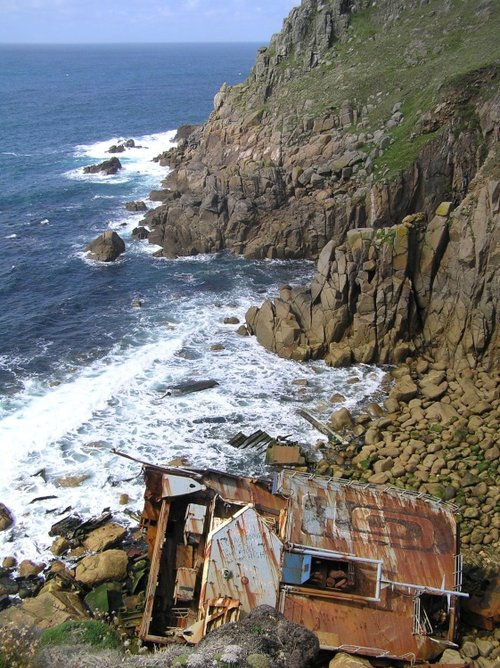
x: 370, y: 570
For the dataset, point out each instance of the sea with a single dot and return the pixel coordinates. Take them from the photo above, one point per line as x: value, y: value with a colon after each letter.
x: 88, y: 350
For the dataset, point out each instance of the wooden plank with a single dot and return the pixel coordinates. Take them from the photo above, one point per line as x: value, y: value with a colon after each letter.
x: 238, y: 440
x: 154, y: 572
x: 322, y: 427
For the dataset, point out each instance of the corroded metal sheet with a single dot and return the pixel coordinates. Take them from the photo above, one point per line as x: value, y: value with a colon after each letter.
x: 195, y: 519
x: 244, y: 490
x: 185, y: 583
x: 230, y: 487
x: 242, y: 562
x: 144, y: 630
x: 416, y: 538
x: 383, y: 581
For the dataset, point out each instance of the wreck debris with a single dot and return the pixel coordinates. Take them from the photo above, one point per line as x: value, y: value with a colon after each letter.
x: 315, y: 548
x: 74, y: 527
x: 322, y: 427
x: 258, y: 440
x: 188, y: 387
x: 285, y: 455
x: 279, y: 451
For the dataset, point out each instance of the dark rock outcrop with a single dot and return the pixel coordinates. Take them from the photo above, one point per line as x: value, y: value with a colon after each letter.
x: 184, y: 132
x: 107, y: 247
x: 265, y: 635
x: 140, y: 233
x: 122, y: 146
x: 108, y: 167
x: 136, y: 206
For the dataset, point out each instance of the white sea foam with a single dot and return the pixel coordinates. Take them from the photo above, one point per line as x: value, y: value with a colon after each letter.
x: 136, y: 161
x: 69, y: 430
x: 16, y: 155
x: 87, y: 258
x: 116, y: 402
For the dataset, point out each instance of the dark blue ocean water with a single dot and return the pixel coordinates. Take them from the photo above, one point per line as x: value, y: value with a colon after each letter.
x: 83, y: 370
x: 53, y: 99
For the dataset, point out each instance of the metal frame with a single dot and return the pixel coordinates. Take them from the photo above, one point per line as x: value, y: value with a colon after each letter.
x: 342, y: 556
x: 423, y: 589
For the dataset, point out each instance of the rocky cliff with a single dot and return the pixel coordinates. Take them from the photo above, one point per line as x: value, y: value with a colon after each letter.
x: 385, y: 294
x: 355, y: 117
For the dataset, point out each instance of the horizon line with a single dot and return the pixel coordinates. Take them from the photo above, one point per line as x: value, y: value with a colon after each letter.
x: 131, y: 43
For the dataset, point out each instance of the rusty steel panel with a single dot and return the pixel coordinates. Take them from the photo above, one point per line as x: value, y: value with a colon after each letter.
x: 185, y: 582
x: 243, y: 490
x: 242, y: 562
x: 195, y: 520
x: 416, y: 538
x: 230, y: 487
x: 154, y: 570
x: 384, y: 628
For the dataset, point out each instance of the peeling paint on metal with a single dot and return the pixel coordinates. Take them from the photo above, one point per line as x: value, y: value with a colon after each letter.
x: 377, y: 552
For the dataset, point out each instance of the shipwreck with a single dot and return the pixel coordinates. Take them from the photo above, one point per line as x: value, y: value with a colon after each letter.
x: 371, y: 570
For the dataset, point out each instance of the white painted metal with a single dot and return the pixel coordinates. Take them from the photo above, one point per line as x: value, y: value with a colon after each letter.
x: 176, y: 485
x: 243, y: 561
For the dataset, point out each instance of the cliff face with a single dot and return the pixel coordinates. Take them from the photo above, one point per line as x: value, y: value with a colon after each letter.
x: 355, y: 117
x: 385, y: 294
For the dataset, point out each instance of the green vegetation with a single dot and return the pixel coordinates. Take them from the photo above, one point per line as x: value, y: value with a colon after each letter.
x: 436, y: 428
x: 415, y: 60
x: 385, y: 235
x: 88, y: 632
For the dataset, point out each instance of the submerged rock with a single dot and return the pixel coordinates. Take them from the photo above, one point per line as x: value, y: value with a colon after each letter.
x: 190, y: 386
x: 122, y: 146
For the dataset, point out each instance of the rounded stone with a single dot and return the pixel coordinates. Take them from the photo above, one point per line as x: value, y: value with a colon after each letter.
x: 6, y: 517
x: 110, y: 565
x: 480, y: 489
x: 28, y: 568
x: 341, y: 419
x: 469, y: 649
x: 9, y: 562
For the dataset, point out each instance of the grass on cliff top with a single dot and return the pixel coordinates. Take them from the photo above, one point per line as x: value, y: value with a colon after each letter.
x: 412, y: 60
x: 87, y: 632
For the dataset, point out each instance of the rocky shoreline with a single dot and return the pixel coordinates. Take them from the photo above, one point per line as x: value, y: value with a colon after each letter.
x: 397, y: 193
x: 436, y: 433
